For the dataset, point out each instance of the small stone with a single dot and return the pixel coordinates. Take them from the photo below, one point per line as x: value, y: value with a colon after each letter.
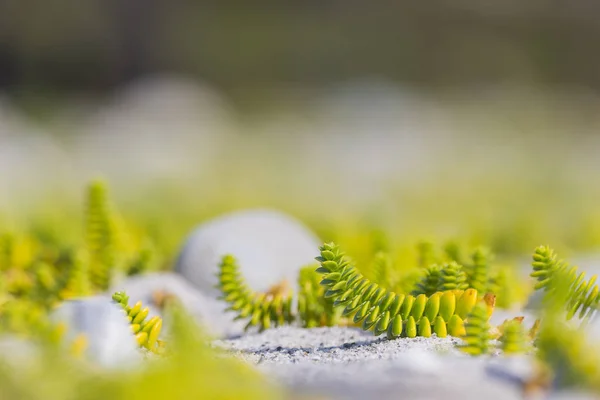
x: 270, y: 246
x: 209, y: 312
x: 108, y: 337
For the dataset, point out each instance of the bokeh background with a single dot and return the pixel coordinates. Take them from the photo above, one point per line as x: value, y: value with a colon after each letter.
x: 465, y: 119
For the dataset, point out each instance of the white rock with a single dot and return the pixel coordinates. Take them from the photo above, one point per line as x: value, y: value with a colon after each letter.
x: 209, y: 312
x: 269, y: 245
x: 110, y: 342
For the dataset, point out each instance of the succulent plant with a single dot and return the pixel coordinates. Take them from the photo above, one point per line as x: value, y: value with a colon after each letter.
x: 383, y: 311
x: 146, y: 331
x: 476, y: 338
x: 274, y: 307
x: 514, y: 339
x: 581, y: 296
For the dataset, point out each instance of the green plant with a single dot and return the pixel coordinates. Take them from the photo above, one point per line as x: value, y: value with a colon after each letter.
x: 453, y: 252
x: 430, y: 282
x: 477, y: 273
x: 569, y: 355
x: 142, y: 261
x: 384, y: 311
x: 6, y: 251
x: 453, y: 277
x: 273, y: 308
x: 23, y: 317
x: 109, y: 243
x: 383, y: 269
x: 191, y: 369
x: 476, y: 339
x: 514, y: 338
x: 582, y: 296
x: 380, y: 242
x: 77, y: 278
x: 426, y: 254
x: 448, y: 276
x: 390, y: 273
x: 313, y: 308
x: 479, y: 270
x: 563, y: 349
x: 39, y: 267
x: 146, y: 330
x: 503, y: 287
x: 16, y: 260
x: 99, y: 235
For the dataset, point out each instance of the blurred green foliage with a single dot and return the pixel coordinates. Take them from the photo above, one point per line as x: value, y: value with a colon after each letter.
x: 582, y: 296
x: 191, y: 369
x: 563, y: 344
x: 44, y: 269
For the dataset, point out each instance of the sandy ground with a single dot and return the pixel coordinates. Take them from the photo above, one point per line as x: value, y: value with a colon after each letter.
x: 347, y: 363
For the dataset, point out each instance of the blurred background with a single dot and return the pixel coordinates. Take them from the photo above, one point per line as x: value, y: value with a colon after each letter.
x: 471, y: 119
